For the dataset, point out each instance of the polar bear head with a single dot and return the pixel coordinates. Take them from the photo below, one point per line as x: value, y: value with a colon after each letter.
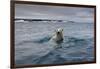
x: 58, y: 36
x: 59, y: 31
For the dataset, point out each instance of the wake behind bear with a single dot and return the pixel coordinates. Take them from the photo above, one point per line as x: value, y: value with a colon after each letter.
x: 55, y: 40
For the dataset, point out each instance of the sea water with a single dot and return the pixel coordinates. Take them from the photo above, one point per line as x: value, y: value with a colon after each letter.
x: 33, y: 45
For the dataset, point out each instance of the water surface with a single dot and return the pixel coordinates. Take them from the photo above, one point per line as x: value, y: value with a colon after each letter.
x: 33, y: 45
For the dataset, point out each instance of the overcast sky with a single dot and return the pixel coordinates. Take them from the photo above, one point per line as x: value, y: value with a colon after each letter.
x: 54, y: 12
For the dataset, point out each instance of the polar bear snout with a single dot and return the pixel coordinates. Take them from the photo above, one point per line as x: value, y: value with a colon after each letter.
x: 58, y: 32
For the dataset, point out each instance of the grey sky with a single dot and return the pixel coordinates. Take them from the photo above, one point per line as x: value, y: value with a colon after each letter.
x: 54, y: 12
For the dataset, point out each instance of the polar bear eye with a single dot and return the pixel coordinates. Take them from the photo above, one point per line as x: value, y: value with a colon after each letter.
x: 62, y: 29
x: 55, y: 30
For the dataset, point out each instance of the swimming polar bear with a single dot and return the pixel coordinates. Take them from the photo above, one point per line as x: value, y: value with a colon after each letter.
x: 58, y: 36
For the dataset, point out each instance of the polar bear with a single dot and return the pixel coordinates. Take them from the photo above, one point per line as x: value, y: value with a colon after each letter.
x: 58, y: 35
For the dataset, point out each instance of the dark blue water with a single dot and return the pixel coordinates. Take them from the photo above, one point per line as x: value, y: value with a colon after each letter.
x: 33, y: 45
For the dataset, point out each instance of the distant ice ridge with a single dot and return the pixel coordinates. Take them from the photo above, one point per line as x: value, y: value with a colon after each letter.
x: 19, y: 20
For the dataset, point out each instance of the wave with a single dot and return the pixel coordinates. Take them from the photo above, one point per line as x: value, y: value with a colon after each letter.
x: 67, y: 39
x: 72, y: 49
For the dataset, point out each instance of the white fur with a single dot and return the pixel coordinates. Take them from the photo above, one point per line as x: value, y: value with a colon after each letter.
x: 58, y: 35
